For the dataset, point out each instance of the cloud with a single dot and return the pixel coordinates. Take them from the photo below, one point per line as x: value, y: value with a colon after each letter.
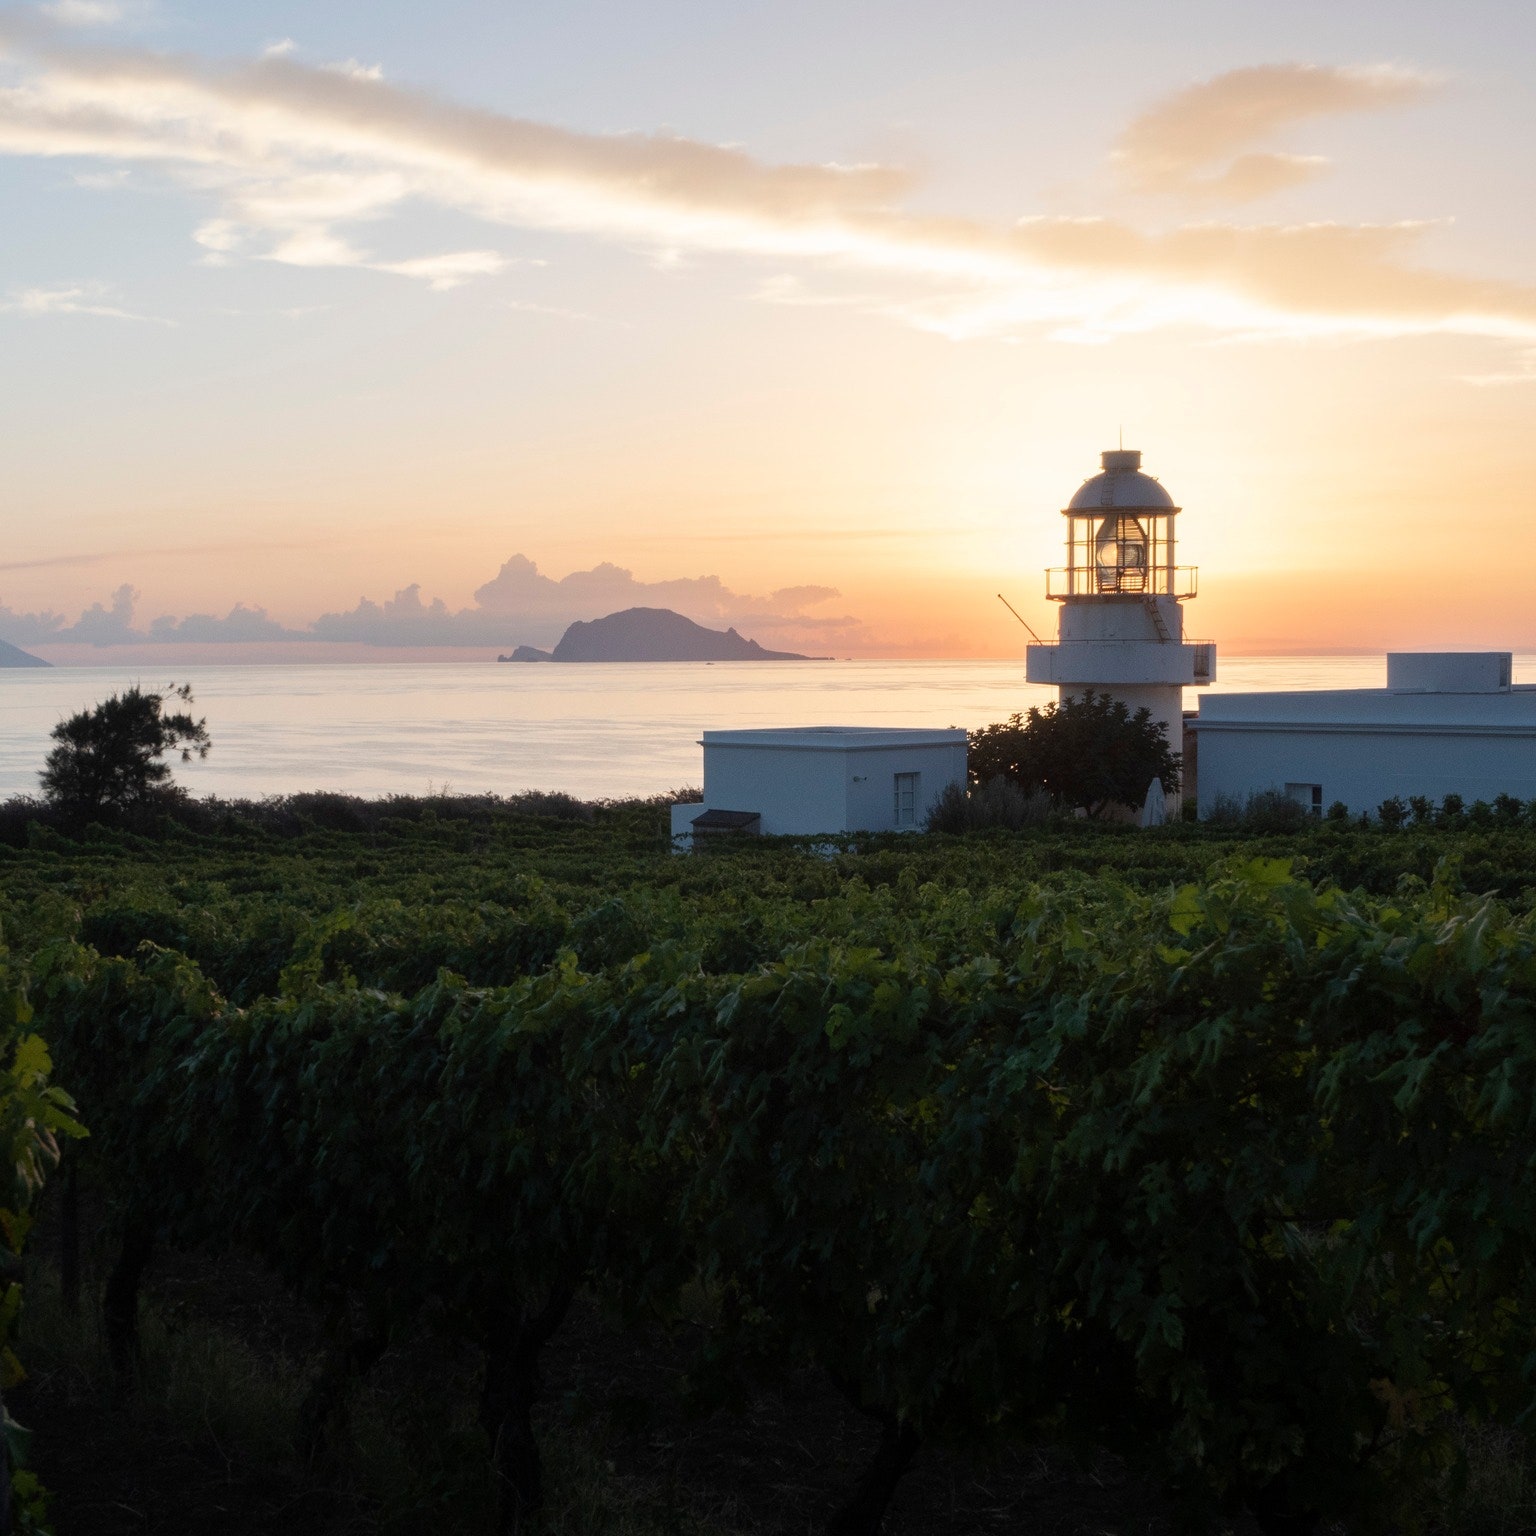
x: 521, y: 604
x: 28, y: 628
x: 295, y: 159
x: 240, y: 623
x: 100, y: 625
x: 73, y: 299
x: 447, y: 270
x: 555, y: 311
x: 354, y: 69
x: 85, y: 13
x: 518, y: 605
x: 1189, y: 143
x: 1522, y: 371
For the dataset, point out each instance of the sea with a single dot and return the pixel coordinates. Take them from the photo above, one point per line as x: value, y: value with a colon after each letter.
x: 595, y: 730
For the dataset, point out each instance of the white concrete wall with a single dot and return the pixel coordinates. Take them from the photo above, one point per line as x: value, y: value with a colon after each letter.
x: 683, y: 813
x: 1362, y: 768
x: 824, y: 785
x: 1118, y: 618
x: 1449, y: 671
x: 872, y: 781
x: 1102, y: 664
x: 796, y: 791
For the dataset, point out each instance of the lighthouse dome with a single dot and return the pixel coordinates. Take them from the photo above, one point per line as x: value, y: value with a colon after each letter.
x: 1121, y: 487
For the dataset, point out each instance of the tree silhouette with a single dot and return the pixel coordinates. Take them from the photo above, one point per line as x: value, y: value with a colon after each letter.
x: 108, y: 758
x: 1087, y: 753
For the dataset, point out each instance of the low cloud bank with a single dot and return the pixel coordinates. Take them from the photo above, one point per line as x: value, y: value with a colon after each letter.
x: 519, y: 605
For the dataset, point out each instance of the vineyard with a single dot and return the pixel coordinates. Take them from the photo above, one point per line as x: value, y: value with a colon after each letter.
x: 1207, y: 1150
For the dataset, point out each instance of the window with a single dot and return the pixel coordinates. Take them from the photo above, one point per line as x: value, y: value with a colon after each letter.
x: 1309, y: 795
x: 906, y: 799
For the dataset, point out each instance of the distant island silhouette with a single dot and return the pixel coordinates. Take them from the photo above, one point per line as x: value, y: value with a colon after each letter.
x: 651, y: 634
x: 14, y: 656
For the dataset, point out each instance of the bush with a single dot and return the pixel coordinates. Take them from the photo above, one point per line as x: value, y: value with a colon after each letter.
x: 1226, y: 811
x: 997, y: 803
x: 1392, y: 812
x: 1087, y: 754
x: 1265, y: 810
x: 1508, y: 810
x: 1272, y: 810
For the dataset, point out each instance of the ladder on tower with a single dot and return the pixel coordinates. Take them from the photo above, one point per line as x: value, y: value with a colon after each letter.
x: 1159, y: 623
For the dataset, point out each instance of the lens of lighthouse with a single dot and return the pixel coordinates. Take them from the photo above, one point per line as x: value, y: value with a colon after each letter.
x: 1120, y: 551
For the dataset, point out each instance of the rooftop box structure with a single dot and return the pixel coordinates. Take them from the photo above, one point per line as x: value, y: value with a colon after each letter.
x: 820, y: 780
x: 1446, y: 723
x: 1449, y: 671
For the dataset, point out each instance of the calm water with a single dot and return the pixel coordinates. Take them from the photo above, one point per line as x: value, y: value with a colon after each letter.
x: 593, y: 730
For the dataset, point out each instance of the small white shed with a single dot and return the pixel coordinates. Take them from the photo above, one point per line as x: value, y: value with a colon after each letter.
x: 821, y: 779
x: 1448, y: 722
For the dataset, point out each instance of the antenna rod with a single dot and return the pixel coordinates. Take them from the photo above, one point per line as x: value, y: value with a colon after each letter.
x: 1019, y: 616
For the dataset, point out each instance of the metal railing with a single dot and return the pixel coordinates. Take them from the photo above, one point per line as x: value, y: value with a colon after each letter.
x: 1063, y: 581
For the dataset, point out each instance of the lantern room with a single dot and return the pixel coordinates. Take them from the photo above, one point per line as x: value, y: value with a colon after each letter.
x: 1120, y: 537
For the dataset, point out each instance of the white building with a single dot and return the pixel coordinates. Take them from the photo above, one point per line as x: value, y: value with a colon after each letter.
x: 1121, y: 630
x: 1446, y: 723
x: 822, y: 779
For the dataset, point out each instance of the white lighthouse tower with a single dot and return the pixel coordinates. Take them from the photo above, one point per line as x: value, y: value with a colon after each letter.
x: 1121, y: 630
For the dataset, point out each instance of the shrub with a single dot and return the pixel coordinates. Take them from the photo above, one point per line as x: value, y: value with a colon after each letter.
x: 1087, y: 754
x: 1272, y: 810
x: 1392, y: 812
x: 1507, y: 809
x: 1265, y: 810
x: 998, y: 803
x: 1225, y: 811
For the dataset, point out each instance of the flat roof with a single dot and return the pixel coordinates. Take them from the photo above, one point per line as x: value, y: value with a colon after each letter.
x: 835, y: 738
x: 1371, y: 709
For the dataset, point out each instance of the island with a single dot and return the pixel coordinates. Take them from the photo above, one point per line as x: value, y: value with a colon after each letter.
x: 14, y: 656
x: 651, y: 634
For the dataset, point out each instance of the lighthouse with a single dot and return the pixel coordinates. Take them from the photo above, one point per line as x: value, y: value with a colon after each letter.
x: 1121, y: 629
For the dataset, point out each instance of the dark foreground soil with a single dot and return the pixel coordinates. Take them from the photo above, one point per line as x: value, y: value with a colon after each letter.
x: 624, y: 1455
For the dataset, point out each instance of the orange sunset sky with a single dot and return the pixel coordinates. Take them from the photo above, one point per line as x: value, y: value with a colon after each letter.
x: 431, y: 329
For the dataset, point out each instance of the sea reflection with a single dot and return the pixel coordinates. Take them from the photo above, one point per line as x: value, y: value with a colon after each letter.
x: 594, y: 730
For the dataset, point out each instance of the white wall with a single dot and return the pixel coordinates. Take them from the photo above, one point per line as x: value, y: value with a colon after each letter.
x: 795, y: 790
x: 1449, y: 671
x: 872, y: 787
x: 1363, y: 768
x: 822, y: 785
x: 1100, y: 619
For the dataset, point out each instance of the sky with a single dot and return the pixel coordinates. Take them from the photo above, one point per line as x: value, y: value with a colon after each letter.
x: 391, y: 327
